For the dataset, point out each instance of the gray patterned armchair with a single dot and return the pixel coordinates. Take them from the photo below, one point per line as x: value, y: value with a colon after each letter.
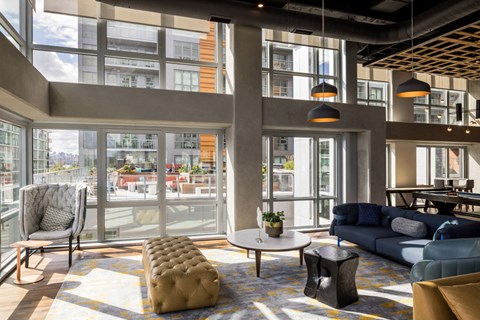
x: 52, y: 212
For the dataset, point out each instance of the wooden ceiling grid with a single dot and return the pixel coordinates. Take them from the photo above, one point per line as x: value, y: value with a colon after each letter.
x: 456, y: 55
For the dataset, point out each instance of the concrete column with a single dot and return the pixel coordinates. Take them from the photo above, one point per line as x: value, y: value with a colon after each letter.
x: 404, y: 165
x: 402, y: 108
x: 350, y: 76
x: 244, y: 137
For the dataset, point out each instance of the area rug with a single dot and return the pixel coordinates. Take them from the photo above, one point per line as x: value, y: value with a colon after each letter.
x: 114, y: 288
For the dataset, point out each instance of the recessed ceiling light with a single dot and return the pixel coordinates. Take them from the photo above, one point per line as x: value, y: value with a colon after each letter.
x: 260, y: 5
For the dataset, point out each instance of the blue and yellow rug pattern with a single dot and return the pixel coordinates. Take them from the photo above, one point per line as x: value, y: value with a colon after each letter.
x: 114, y: 288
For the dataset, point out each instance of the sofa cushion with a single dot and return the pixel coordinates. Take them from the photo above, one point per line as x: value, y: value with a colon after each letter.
x: 404, y: 249
x: 412, y: 228
x: 465, y: 230
x: 55, y: 219
x: 463, y: 299
x: 346, y: 213
x: 433, y: 221
x: 364, y: 236
x: 369, y: 214
x: 438, y: 233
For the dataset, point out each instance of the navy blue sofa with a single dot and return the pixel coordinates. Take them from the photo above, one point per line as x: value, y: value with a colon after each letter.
x: 382, y: 239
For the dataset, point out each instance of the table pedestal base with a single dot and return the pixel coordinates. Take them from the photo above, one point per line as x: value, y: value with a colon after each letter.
x: 29, y: 279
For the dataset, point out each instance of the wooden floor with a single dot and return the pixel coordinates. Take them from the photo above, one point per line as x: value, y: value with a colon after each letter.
x: 34, y: 300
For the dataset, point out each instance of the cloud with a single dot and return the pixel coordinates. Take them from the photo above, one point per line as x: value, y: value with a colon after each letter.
x: 64, y: 141
x: 55, y: 66
x: 54, y: 29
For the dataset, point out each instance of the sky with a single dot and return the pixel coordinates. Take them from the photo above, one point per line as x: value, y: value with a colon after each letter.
x: 57, y: 30
x: 64, y: 141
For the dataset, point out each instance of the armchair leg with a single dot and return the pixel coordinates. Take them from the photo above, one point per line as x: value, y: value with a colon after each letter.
x: 78, y: 242
x: 70, y: 251
x: 27, y: 256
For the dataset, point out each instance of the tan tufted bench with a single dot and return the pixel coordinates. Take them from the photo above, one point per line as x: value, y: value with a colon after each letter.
x: 178, y: 276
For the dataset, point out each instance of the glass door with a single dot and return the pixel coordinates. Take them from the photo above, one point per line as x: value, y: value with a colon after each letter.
x: 133, y: 185
x: 192, y: 197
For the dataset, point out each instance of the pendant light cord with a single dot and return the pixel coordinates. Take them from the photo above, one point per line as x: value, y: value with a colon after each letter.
x: 411, y: 30
x: 323, y: 48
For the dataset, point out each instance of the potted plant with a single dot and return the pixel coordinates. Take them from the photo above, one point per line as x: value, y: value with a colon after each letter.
x: 273, y: 223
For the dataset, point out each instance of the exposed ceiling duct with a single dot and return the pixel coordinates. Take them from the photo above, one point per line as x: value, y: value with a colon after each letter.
x: 286, y: 20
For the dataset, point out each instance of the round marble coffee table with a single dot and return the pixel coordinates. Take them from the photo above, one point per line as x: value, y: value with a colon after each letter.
x: 288, y: 241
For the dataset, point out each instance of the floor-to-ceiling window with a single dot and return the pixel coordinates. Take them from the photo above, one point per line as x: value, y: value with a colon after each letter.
x: 440, y: 162
x: 129, y: 196
x: 94, y: 48
x: 374, y: 93
x: 439, y: 107
x: 300, y: 178
x: 290, y: 70
x: 11, y: 179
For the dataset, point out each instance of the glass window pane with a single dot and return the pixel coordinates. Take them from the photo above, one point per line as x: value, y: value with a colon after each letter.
x: 362, y: 90
x: 191, y: 78
x: 438, y: 97
x: 329, y: 67
x: 191, y: 219
x: 89, y: 231
x: 131, y: 222
x: 10, y: 234
x: 10, y: 166
x: 438, y: 163
x: 326, y: 166
x: 63, y: 30
x: 297, y: 213
x: 66, y: 67
x: 11, y: 11
x: 438, y: 115
x: 131, y: 73
x: 295, y: 87
x: 455, y: 163
x: 132, y: 167
x: 264, y: 54
x: 324, y: 217
x: 292, y: 167
x: 422, y: 174
x: 455, y: 97
x: 264, y: 166
x: 420, y: 114
x: 122, y: 36
x: 290, y: 57
x: 9, y: 37
x: 191, y: 166
x: 66, y: 156
x: 189, y: 45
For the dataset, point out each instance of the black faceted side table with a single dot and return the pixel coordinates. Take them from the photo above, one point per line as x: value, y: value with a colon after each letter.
x: 331, y: 276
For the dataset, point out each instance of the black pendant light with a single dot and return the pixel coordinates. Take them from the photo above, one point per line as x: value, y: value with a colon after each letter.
x: 324, y: 90
x: 412, y: 88
x: 323, y: 112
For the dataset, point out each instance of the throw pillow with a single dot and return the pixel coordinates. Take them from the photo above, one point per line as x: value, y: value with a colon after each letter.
x: 463, y: 300
x: 56, y: 219
x: 411, y: 228
x: 369, y: 214
x: 436, y: 235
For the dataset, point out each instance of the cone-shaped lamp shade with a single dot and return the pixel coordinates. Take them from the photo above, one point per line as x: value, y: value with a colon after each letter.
x: 323, y: 113
x: 324, y: 90
x: 412, y: 88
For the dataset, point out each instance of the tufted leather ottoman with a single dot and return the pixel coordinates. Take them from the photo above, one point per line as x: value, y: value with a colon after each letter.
x: 178, y: 276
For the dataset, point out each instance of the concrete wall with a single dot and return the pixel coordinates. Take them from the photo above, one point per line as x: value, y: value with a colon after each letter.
x: 23, y: 89
x: 83, y: 101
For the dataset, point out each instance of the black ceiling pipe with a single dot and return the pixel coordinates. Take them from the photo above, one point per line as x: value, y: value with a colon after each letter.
x: 280, y: 19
